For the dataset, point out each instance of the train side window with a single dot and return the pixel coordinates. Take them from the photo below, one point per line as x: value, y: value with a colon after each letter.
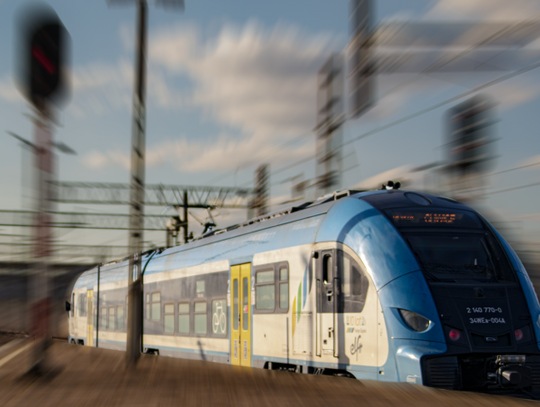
x: 112, y: 318
x: 245, y: 302
x: 235, y: 305
x: 200, y: 288
x: 120, y: 317
x: 200, y: 318
x: 327, y: 269
x: 103, y: 318
x: 265, y: 290
x: 82, y: 305
x: 354, y: 285
x: 72, y: 305
x: 284, y: 288
x: 147, y: 306
x: 168, y: 318
x: 183, y: 318
x: 357, y: 281
x: 346, y: 287
x: 156, y: 306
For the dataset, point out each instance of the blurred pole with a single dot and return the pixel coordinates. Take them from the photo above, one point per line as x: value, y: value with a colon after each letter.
x: 186, y: 207
x: 134, y: 331
x: 39, y: 291
x: 330, y: 118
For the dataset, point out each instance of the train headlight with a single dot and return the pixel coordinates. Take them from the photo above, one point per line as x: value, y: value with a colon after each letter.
x: 414, y: 321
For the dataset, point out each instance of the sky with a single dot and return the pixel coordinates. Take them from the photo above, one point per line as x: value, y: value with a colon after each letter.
x: 232, y: 84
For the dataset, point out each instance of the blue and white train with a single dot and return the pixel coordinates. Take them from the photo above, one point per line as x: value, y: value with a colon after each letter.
x: 384, y: 285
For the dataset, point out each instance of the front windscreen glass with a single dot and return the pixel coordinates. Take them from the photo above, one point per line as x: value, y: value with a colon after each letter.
x: 458, y: 257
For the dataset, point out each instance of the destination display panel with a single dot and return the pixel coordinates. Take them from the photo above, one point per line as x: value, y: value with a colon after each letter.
x: 434, y: 218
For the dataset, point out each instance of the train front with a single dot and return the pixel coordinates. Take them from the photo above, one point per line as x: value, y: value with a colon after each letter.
x: 484, y: 336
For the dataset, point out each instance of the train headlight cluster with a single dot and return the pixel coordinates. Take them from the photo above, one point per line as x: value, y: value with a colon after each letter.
x: 414, y: 321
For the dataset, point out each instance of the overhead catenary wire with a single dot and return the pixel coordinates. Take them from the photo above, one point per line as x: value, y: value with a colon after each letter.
x: 414, y: 115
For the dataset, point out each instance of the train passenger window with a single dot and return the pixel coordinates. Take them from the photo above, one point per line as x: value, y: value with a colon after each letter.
x: 112, y: 318
x: 156, y: 307
x: 103, y: 324
x: 283, y: 288
x: 327, y: 269
x: 354, y: 284
x: 219, y: 317
x: 265, y: 290
x: 82, y: 305
x: 346, y: 288
x: 235, y: 305
x: 168, y: 318
x: 200, y: 318
x: 120, y: 317
x: 245, y: 304
x: 200, y: 288
x: 147, y: 306
x: 357, y: 281
x: 183, y: 318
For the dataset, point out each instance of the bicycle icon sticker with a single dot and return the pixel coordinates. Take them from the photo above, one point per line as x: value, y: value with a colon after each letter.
x: 219, y: 317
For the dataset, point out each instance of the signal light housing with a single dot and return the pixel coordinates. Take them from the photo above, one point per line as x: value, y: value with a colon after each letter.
x: 43, y: 54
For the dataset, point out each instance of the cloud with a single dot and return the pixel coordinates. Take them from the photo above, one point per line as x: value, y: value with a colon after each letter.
x: 516, y: 93
x: 8, y: 91
x: 202, y: 156
x: 533, y: 162
x: 261, y: 83
x: 492, y: 10
x: 97, y: 159
x: 257, y: 81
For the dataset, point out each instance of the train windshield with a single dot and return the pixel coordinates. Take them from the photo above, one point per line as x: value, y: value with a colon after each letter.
x: 456, y: 258
x: 453, y: 246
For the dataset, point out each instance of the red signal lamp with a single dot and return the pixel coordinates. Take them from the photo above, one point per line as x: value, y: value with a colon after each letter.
x: 519, y: 334
x: 454, y: 334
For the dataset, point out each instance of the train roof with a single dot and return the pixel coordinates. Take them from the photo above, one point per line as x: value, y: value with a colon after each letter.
x: 326, y: 219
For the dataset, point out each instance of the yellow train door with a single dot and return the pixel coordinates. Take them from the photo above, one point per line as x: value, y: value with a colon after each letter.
x: 89, y: 318
x: 241, y: 315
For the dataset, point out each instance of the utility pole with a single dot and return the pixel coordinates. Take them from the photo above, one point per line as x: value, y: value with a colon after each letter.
x: 260, y: 200
x: 330, y: 118
x: 185, y: 226
x: 138, y: 146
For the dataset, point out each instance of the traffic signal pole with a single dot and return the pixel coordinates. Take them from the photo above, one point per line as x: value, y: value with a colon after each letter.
x: 134, y: 331
x: 40, y: 77
x: 39, y: 290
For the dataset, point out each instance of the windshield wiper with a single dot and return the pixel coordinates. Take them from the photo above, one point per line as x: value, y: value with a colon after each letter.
x: 424, y: 269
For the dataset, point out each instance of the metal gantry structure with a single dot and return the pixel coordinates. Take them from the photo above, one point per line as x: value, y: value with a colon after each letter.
x: 81, y: 220
x: 177, y: 196
x: 154, y: 195
x: 62, y: 253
